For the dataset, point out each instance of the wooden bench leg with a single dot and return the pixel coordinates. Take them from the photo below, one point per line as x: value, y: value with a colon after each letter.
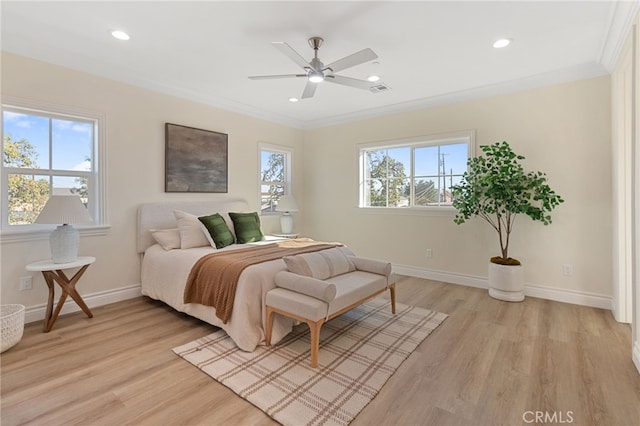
x: 314, y: 328
x: 269, y: 326
x: 392, y: 293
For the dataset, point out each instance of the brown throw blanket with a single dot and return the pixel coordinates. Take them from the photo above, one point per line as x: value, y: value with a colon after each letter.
x: 214, y: 278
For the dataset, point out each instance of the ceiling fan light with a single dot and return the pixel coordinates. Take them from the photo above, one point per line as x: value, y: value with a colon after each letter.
x: 316, y: 77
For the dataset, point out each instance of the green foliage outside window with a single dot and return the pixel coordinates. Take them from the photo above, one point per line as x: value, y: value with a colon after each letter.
x: 273, y: 179
x: 386, y: 181
x: 27, y: 193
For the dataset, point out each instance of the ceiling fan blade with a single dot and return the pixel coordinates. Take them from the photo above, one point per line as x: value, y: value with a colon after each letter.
x: 292, y: 54
x: 309, y: 90
x: 365, y: 55
x: 268, y: 77
x: 348, y: 81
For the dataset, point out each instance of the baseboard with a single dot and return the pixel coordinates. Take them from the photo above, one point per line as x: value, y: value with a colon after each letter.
x: 448, y: 277
x: 550, y: 293
x: 575, y: 297
x: 37, y: 312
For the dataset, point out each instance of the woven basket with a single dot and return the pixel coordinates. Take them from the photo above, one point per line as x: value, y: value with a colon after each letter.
x: 12, y: 319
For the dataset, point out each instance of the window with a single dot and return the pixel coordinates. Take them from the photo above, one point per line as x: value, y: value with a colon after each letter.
x: 275, y: 175
x: 415, y: 172
x: 47, y: 152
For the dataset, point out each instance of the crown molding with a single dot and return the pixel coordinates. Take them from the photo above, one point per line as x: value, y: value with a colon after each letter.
x: 580, y: 72
x: 621, y: 20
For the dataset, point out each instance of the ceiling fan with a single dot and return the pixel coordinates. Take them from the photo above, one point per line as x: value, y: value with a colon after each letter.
x: 316, y: 71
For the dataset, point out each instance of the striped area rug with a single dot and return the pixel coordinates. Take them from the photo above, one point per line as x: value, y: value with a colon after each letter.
x: 359, y: 351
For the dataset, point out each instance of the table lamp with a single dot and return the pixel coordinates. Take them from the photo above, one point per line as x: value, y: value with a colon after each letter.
x: 286, y: 204
x: 64, y: 210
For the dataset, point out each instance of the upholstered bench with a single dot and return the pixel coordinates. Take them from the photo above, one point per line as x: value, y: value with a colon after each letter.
x: 322, y: 285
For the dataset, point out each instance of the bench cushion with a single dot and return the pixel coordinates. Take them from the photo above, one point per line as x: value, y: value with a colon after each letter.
x: 321, y: 264
x: 351, y: 288
x: 297, y: 304
x: 371, y: 265
x: 306, y: 285
x: 354, y: 287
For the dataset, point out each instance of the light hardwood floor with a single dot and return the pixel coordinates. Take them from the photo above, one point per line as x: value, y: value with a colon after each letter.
x: 489, y: 363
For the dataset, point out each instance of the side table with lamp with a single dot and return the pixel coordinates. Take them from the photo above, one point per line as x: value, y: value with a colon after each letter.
x: 54, y: 272
x: 64, y: 211
x: 286, y: 204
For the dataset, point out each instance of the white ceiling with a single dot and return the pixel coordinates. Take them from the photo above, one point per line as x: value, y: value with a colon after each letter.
x: 429, y: 52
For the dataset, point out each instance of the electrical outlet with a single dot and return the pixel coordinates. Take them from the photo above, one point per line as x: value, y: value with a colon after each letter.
x: 429, y: 254
x: 567, y: 269
x: 26, y: 283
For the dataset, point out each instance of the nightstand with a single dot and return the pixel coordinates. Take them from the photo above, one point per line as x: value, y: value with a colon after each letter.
x: 54, y: 272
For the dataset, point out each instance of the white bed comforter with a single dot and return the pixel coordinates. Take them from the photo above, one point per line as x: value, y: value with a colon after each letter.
x: 164, y: 276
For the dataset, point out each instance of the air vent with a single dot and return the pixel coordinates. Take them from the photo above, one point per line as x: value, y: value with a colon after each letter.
x: 377, y: 88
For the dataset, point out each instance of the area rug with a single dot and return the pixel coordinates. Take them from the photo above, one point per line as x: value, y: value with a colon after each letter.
x: 359, y: 351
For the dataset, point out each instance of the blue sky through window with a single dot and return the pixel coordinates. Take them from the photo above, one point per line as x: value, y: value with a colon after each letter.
x: 70, y: 148
x: 426, y: 164
x: 71, y: 140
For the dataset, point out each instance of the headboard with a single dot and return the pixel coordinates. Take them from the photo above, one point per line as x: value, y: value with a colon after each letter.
x: 160, y: 215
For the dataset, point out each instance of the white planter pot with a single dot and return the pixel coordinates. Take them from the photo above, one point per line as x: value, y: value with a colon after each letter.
x: 506, y: 282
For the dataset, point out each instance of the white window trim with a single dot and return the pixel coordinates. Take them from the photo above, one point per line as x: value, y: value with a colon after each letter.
x: 41, y: 232
x: 435, y: 139
x: 289, y: 153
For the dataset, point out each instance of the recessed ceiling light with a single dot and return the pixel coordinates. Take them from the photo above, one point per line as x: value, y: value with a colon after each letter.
x: 373, y: 78
x: 293, y: 99
x: 503, y: 42
x: 120, y: 35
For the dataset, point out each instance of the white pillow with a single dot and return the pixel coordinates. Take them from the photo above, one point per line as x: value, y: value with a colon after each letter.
x: 321, y: 264
x: 167, y: 238
x: 192, y: 231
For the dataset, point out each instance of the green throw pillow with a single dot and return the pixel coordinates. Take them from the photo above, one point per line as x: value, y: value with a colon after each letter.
x: 218, y: 229
x: 247, y: 226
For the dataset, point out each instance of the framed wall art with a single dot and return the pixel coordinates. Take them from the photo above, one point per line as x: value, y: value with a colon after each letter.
x: 196, y: 160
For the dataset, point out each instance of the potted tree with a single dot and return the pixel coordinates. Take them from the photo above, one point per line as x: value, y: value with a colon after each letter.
x: 496, y: 188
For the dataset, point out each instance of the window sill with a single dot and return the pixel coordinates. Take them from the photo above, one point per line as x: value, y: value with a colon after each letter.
x: 444, y: 211
x: 19, y: 236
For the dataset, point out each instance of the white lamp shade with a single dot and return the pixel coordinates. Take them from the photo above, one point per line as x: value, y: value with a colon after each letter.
x: 287, y: 203
x: 64, y: 209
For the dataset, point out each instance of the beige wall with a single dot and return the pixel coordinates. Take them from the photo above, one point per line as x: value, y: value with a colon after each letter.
x: 563, y: 130
x: 135, y: 165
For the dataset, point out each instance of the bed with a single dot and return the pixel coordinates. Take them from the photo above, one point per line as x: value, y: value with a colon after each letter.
x: 164, y: 272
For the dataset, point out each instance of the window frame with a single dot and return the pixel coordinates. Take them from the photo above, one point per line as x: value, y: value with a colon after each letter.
x: 439, y: 139
x: 96, y: 177
x: 288, y: 171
